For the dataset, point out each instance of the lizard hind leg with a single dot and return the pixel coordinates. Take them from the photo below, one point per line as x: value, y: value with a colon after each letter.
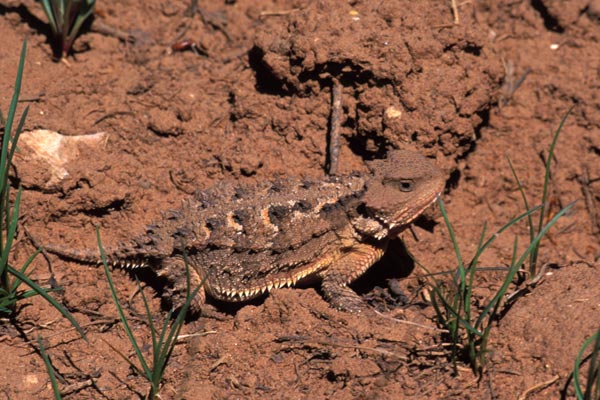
x: 173, y: 269
x: 345, y: 270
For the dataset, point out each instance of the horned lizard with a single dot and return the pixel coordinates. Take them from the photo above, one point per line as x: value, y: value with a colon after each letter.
x: 247, y: 240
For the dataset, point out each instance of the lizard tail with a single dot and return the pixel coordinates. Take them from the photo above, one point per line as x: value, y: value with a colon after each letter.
x: 91, y: 257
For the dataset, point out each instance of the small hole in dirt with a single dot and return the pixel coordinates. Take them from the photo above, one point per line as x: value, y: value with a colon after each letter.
x: 472, y: 49
x: 369, y: 147
x: 550, y: 21
x: 452, y: 182
x: 331, y: 377
x: 266, y: 82
x: 116, y: 205
x: 485, y: 122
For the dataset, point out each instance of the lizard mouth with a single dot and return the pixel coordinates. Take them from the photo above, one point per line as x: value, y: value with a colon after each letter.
x: 399, y: 221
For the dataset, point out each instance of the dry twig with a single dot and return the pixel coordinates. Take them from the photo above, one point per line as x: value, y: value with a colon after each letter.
x: 455, y: 11
x: 538, y: 387
x: 590, y: 204
x: 335, y: 124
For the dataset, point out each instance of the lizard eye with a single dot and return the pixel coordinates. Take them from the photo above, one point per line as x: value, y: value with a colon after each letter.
x: 404, y: 185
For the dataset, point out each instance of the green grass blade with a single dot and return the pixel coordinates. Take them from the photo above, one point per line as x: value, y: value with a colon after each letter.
x: 44, y: 293
x: 160, y: 360
x: 49, y: 10
x: 178, y: 324
x: 12, y: 228
x: 593, y: 368
x: 6, y: 214
x: 50, y: 370
x: 66, y: 25
x: 495, y: 302
x: 593, y: 378
x: 513, y: 258
x: 547, y: 181
x: 168, y: 343
x: 462, y: 287
x: 525, y: 203
x: 17, y: 282
x: 17, y: 134
x: 534, y: 245
x: 456, y: 314
x: 461, y: 265
x: 475, y: 260
x: 163, y: 338
x: 85, y: 10
x: 66, y: 17
x: 452, y: 317
x: 171, y: 339
x: 502, y: 229
x: 125, y: 358
x: 10, y: 118
x: 472, y: 268
x: 154, y: 378
x: 113, y: 292
x: 148, y: 314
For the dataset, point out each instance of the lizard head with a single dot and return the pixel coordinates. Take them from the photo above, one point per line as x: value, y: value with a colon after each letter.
x: 400, y: 189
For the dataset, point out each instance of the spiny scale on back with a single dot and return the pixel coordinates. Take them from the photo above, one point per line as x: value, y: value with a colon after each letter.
x: 246, y: 240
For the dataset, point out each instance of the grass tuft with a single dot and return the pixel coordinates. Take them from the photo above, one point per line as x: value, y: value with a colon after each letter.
x: 163, y: 341
x: 66, y: 18
x: 469, y: 327
x: 11, y: 279
x: 533, y: 270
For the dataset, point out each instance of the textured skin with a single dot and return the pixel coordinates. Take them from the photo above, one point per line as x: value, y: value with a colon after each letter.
x: 246, y: 240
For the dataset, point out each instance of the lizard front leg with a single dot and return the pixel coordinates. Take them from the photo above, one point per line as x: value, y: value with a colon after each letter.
x: 345, y: 270
x: 174, y: 269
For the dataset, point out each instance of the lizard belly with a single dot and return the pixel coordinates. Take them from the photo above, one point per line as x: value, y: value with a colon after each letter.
x: 240, y: 276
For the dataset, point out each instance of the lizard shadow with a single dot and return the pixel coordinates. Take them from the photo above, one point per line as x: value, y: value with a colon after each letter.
x: 380, y: 286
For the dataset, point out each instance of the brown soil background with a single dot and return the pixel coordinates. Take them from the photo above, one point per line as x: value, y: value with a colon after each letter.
x: 254, y: 105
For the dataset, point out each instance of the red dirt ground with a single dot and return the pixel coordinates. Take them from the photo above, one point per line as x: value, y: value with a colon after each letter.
x: 253, y: 104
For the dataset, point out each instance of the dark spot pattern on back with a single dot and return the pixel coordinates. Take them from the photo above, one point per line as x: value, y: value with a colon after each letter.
x: 278, y: 214
x: 329, y: 207
x: 239, y: 194
x: 214, y: 223
x: 276, y: 187
x: 303, y: 206
x: 241, y: 217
